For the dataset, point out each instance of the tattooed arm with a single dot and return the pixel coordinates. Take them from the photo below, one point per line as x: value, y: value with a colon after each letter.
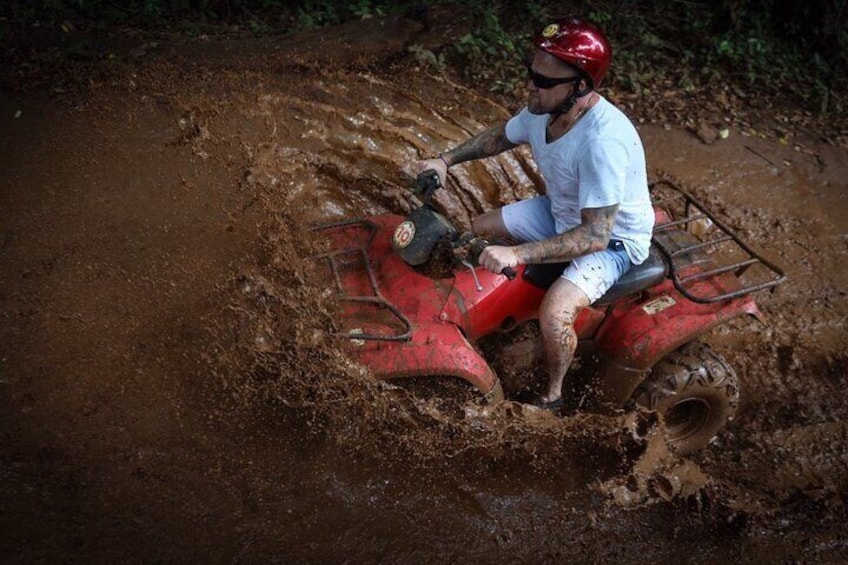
x: 489, y: 143
x: 593, y: 234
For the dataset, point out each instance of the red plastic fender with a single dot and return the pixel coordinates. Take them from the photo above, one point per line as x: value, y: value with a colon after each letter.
x: 436, y: 349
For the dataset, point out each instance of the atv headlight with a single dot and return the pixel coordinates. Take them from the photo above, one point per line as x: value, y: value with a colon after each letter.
x: 415, y: 237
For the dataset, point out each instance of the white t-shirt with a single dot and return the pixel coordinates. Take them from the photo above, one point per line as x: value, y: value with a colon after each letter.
x: 599, y: 162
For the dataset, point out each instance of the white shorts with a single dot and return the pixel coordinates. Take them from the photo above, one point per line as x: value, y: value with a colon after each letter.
x: 594, y: 274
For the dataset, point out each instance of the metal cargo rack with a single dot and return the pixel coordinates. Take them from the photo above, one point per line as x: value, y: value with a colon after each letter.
x: 693, y: 260
x: 357, y: 253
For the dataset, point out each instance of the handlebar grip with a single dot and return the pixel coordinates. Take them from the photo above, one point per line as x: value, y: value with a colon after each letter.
x: 427, y: 182
x: 509, y: 273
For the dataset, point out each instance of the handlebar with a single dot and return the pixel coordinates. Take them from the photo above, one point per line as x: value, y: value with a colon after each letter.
x: 426, y: 183
x: 475, y: 244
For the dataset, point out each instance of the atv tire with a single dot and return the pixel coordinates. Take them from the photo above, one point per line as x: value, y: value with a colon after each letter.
x: 694, y: 392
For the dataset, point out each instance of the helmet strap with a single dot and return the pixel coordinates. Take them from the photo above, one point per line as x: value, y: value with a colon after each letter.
x: 571, y: 100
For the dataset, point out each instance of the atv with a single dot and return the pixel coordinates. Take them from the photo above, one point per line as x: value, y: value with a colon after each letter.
x: 415, y: 303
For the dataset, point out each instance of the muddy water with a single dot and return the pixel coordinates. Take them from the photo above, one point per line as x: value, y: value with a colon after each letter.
x: 174, y: 391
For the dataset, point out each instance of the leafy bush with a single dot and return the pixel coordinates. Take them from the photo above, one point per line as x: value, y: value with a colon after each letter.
x: 775, y: 45
x: 491, y: 54
x: 772, y: 45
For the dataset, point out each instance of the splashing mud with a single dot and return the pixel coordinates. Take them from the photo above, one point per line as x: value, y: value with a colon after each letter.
x: 323, y: 162
x: 175, y: 388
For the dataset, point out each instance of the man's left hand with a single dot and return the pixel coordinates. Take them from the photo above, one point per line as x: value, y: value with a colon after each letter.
x: 496, y: 258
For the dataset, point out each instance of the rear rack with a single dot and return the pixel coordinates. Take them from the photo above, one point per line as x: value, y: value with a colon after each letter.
x: 689, y: 253
x: 356, y: 254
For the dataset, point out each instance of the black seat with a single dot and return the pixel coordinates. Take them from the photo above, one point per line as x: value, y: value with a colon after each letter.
x: 651, y: 272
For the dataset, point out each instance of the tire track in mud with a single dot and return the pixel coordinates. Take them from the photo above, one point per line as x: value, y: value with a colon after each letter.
x: 378, y: 139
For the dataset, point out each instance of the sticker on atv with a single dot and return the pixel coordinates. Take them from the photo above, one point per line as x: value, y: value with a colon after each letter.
x: 658, y: 305
x: 403, y: 234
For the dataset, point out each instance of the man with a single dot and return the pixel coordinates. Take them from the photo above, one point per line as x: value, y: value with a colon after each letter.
x: 596, y: 212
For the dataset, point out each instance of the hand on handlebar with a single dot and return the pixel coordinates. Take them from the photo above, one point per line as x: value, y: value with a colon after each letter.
x: 435, y: 164
x: 499, y: 259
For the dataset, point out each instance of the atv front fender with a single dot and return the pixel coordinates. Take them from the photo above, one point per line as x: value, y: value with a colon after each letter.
x: 436, y: 349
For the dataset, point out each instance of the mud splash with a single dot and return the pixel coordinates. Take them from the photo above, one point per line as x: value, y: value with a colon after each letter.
x: 321, y: 163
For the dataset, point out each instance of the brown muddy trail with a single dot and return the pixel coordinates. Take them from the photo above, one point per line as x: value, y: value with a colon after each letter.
x: 172, y: 390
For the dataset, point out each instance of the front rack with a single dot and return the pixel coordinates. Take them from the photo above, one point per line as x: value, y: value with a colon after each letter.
x: 689, y: 255
x: 336, y: 259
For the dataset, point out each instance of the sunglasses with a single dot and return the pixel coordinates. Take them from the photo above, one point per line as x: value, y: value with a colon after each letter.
x: 543, y: 82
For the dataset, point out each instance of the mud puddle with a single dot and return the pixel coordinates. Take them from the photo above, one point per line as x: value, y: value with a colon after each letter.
x: 175, y: 392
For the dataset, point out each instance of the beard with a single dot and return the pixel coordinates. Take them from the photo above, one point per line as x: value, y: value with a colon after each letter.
x: 535, y: 106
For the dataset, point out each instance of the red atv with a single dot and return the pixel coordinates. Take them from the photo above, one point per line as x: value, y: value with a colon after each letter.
x: 403, y: 320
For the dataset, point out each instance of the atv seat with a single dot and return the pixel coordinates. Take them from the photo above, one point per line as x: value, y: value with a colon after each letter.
x: 649, y: 273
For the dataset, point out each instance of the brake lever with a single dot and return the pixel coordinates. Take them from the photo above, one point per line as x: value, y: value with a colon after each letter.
x: 467, y: 263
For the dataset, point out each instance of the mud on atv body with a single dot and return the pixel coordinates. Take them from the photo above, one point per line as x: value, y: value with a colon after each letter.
x: 400, y: 322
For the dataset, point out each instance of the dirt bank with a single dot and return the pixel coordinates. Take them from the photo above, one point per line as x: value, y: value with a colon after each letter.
x: 173, y: 392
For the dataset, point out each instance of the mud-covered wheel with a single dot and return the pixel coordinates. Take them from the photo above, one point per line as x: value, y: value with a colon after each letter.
x: 694, y: 392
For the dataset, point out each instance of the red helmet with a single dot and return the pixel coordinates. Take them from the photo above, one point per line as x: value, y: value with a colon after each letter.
x: 578, y: 43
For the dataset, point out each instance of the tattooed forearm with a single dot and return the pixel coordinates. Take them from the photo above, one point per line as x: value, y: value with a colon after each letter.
x: 491, y: 142
x: 591, y: 235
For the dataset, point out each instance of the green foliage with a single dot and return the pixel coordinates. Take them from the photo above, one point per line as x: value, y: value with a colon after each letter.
x: 773, y: 46
x: 258, y: 15
x: 799, y: 47
x: 491, y: 53
x: 779, y: 46
x: 319, y: 13
x: 316, y: 14
x: 428, y: 58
